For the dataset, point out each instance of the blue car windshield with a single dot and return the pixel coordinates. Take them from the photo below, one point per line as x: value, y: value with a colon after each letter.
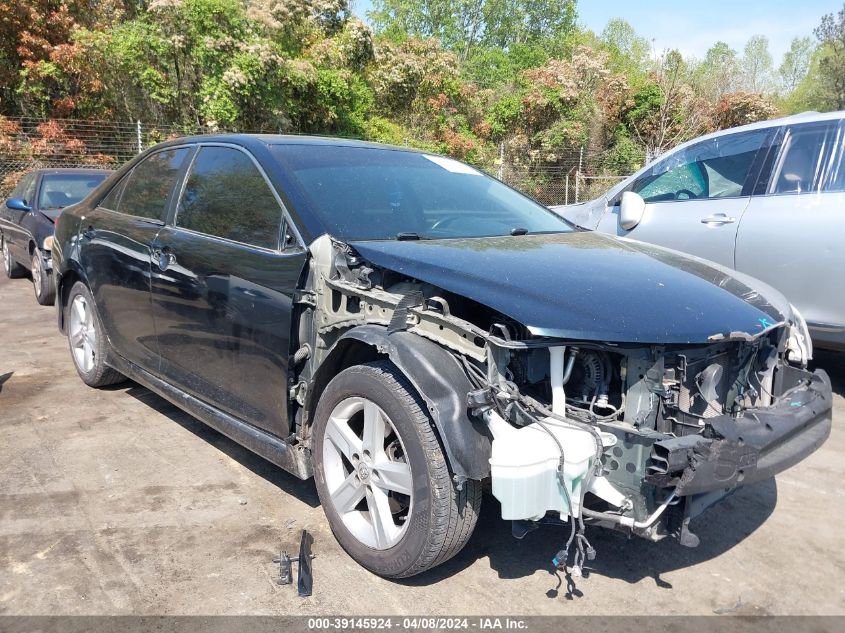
x: 364, y: 193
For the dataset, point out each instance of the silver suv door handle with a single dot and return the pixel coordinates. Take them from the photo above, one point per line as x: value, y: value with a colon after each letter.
x: 718, y: 218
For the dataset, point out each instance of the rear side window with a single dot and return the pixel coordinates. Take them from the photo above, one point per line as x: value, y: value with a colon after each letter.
x: 715, y: 168
x: 150, y: 184
x: 225, y: 195
x: 810, y: 159
x: 112, y: 200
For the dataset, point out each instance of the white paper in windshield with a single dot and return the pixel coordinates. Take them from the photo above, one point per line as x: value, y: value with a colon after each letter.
x: 452, y: 165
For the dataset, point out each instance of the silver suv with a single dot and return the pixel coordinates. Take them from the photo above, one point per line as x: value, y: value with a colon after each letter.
x: 766, y: 199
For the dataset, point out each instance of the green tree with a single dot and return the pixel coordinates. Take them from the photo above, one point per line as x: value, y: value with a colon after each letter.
x: 666, y: 111
x: 757, y: 65
x: 463, y: 25
x: 810, y: 93
x: 41, y: 70
x: 510, y: 22
x: 718, y: 73
x: 796, y: 63
x: 831, y: 34
x: 629, y: 53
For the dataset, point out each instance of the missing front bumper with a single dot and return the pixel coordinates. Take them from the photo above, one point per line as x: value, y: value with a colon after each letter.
x: 752, y: 448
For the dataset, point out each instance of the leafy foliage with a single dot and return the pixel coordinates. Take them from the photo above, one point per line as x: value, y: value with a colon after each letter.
x: 831, y: 69
x: 740, y: 108
x: 472, y: 78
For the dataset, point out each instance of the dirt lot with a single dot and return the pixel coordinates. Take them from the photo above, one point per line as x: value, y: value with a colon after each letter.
x: 115, y: 502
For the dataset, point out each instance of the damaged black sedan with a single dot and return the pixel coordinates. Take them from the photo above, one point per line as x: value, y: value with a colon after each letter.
x: 402, y: 327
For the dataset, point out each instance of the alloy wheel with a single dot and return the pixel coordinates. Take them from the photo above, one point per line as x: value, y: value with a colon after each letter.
x: 368, y: 478
x: 7, y: 258
x: 37, y: 272
x: 83, y: 334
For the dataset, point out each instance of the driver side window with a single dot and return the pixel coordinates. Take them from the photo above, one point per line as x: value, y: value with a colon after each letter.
x: 680, y: 183
x: 716, y: 168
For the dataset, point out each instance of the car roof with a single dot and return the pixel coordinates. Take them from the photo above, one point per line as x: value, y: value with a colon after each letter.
x: 51, y: 171
x: 803, y: 117
x: 248, y: 140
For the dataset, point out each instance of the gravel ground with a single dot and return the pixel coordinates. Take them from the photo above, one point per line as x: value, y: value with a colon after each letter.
x: 115, y: 502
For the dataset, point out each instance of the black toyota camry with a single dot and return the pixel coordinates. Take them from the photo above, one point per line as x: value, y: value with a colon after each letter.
x: 402, y: 327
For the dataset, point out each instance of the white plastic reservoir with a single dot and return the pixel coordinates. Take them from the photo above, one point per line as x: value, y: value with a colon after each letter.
x: 524, y: 467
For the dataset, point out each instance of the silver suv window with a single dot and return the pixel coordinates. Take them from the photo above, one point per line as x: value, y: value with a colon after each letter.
x: 715, y: 168
x: 810, y: 159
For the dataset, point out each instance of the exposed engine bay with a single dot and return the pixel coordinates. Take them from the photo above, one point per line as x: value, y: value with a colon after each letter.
x: 636, y: 437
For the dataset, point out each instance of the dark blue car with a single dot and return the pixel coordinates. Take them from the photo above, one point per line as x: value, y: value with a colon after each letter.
x: 27, y: 221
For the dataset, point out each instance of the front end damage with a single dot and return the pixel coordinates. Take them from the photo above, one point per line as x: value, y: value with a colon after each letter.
x: 636, y: 437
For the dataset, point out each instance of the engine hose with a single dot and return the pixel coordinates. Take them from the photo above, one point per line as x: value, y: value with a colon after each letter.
x: 570, y: 363
x: 608, y: 373
x: 303, y: 353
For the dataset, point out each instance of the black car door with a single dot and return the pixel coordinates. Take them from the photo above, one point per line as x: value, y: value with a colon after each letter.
x: 115, y: 240
x: 223, y: 287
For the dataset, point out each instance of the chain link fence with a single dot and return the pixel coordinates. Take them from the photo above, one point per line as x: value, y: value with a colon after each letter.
x: 30, y: 143
x: 556, y: 186
x: 576, y: 176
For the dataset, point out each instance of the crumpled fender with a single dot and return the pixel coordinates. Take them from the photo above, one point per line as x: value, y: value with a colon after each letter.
x: 443, y: 385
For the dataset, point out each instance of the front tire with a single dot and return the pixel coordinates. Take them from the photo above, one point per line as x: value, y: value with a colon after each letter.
x: 12, y: 269
x: 382, y: 477
x: 42, y: 280
x: 87, y: 340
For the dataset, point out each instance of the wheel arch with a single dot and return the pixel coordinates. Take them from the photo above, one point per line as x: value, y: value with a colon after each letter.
x: 64, y: 283
x: 437, y: 377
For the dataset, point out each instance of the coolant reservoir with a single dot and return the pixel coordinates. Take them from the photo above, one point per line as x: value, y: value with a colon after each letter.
x: 524, y: 465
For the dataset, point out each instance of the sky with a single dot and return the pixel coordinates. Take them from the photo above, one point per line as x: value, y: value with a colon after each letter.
x: 693, y: 26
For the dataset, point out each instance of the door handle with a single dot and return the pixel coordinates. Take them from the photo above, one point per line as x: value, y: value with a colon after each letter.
x: 718, y: 218
x: 163, y: 256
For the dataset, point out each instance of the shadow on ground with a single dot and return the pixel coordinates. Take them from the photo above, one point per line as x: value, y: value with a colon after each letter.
x: 302, y: 490
x: 631, y: 560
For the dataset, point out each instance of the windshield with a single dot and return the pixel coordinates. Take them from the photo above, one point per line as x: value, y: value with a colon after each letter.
x: 362, y: 193
x: 62, y: 190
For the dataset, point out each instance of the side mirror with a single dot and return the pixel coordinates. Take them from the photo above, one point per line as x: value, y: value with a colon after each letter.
x: 17, y: 204
x: 631, y: 210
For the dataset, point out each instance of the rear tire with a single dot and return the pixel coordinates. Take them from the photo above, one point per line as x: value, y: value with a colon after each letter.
x: 42, y: 280
x: 88, y: 343
x: 358, y: 470
x: 12, y: 269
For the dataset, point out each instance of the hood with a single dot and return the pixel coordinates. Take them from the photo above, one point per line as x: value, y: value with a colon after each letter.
x: 589, y: 286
